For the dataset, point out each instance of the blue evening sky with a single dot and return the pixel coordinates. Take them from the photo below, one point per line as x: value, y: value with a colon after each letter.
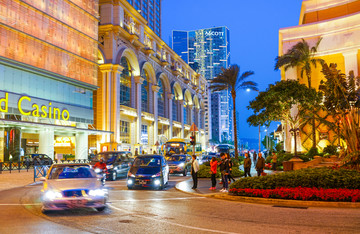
x: 254, y: 28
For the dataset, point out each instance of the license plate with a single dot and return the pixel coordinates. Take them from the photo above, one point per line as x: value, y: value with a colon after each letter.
x: 142, y: 181
x: 76, y: 203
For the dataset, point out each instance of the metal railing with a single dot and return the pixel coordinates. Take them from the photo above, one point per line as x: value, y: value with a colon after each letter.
x: 26, y: 165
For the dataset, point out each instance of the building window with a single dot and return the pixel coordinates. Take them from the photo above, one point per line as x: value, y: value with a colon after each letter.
x: 185, y: 115
x: 145, y: 92
x: 144, y: 134
x: 124, y: 132
x: 125, y: 83
x: 161, y: 99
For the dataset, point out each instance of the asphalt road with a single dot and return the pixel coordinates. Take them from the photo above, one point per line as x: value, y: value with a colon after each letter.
x: 168, y: 211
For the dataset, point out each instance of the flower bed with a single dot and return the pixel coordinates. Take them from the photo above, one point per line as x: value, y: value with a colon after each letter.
x: 301, y: 193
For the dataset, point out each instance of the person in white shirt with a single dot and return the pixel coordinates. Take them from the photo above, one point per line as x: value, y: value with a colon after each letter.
x: 194, y: 170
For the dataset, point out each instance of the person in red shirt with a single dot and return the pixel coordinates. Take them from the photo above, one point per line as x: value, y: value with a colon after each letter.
x: 101, y: 165
x: 213, y: 170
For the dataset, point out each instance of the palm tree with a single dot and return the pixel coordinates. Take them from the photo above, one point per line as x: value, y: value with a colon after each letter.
x: 230, y: 79
x: 303, y: 56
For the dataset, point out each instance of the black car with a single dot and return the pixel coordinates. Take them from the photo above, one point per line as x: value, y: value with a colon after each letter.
x: 38, y: 159
x: 179, y: 164
x: 117, y: 163
x: 149, y: 171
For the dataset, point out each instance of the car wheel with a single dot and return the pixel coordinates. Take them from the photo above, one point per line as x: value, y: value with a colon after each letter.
x: 185, y: 172
x: 45, y: 211
x: 113, y: 175
x: 101, y: 208
x: 130, y: 187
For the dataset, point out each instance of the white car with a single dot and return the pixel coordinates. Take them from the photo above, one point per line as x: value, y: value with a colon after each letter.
x: 69, y: 186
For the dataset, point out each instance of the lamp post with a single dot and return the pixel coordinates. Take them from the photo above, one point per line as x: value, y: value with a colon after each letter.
x: 295, y: 132
x: 248, y: 90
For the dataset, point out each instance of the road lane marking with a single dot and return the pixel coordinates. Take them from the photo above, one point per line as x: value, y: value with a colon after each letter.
x: 168, y: 222
x: 25, y: 204
x: 156, y: 199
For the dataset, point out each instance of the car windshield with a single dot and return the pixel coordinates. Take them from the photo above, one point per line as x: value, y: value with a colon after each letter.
x: 71, y: 172
x: 147, y: 162
x: 176, y: 158
x: 148, y: 170
x: 111, y: 160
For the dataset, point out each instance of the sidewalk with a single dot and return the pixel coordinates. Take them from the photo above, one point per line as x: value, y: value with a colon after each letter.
x: 16, y: 179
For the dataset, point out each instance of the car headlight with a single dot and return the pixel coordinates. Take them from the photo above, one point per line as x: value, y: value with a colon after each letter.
x: 109, y: 166
x: 51, y: 195
x: 97, y: 192
x: 130, y: 181
x: 97, y: 170
x: 157, y: 174
x: 181, y: 165
x: 157, y: 182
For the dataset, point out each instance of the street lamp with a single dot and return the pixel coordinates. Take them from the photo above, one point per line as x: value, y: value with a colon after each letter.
x: 248, y: 90
x: 295, y: 132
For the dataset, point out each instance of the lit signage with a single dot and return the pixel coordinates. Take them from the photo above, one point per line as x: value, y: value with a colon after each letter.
x: 213, y: 33
x: 43, y: 111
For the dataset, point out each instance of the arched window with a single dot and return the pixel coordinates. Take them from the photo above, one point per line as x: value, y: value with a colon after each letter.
x: 161, y: 99
x: 145, y: 91
x: 175, y: 106
x: 125, y: 83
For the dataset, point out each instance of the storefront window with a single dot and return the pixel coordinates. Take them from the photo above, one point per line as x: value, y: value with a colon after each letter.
x: 125, y: 83
x: 125, y: 132
x: 144, y: 134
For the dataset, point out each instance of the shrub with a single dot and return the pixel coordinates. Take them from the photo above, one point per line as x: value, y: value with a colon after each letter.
x: 330, y: 150
x: 204, y: 172
x: 310, y: 178
x: 312, y: 152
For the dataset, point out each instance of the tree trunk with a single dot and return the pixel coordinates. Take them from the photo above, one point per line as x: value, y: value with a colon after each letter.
x: 314, y: 143
x: 233, y: 94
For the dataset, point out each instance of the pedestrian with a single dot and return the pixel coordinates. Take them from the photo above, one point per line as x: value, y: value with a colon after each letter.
x: 260, y: 164
x: 224, y: 169
x: 247, y: 165
x: 255, y: 157
x: 230, y: 169
x: 194, y: 170
x: 213, y: 171
x: 274, y: 161
x: 136, y: 152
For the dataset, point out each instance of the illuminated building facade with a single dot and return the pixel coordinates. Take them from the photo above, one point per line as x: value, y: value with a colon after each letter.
x: 147, y: 93
x: 207, y: 51
x: 151, y: 11
x: 48, y: 72
x: 337, y: 23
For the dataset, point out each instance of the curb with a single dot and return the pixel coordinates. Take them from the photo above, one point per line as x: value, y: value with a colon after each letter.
x: 273, y: 202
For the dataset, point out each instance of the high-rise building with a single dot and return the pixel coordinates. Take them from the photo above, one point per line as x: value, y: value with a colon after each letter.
x: 207, y: 51
x: 151, y: 11
x: 48, y: 72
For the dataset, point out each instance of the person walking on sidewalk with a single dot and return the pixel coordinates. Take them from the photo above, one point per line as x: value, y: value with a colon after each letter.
x: 260, y: 164
x: 213, y: 171
x: 230, y: 169
x: 247, y: 165
x: 224, y: 169
x: 194, y: 170
x: 254, y: 157
x: 274, y: 160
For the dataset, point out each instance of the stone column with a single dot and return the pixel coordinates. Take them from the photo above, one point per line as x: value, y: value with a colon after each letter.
x: 351, y: 63
x: 155, y: 90
x: 104, y: 98
x: 138, y: 82
x: 191, y: 114
x: 46, y: 142
x: 81, y: 145
x: 181, y: 104
x: 170, y: 97
x: 115, y: 104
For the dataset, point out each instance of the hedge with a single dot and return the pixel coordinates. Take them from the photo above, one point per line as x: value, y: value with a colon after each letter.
x: 326, y: 178
x: 204, y: 172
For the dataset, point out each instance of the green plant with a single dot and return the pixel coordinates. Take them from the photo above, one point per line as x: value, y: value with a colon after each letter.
x: 204, y: 172
x: 309, y: 178
x: 330, y: 150
x: 312, y: 152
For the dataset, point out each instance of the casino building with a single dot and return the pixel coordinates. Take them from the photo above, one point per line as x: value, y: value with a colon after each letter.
x: 48, y: 73
x: 338, y: 24
x: 147, y: 93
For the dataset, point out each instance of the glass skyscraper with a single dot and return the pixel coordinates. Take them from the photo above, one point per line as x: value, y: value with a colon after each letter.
x: 207, y: 51
x: 151, y: 11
